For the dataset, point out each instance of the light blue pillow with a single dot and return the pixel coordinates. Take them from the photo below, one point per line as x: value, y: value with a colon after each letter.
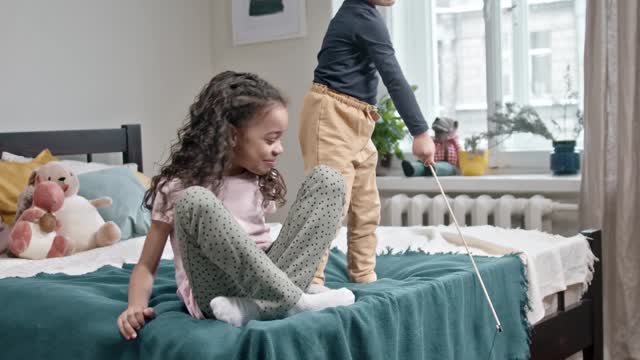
x: 121, y: 185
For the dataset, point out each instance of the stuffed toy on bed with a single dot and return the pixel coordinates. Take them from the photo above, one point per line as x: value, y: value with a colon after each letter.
x: 4, y: 236
x: 35, y: 234
x: 79, y: 220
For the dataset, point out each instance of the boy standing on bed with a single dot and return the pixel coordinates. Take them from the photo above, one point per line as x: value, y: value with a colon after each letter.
x: 339, y: 114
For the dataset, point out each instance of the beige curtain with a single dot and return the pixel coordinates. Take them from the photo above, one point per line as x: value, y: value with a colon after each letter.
x: 610, y: 197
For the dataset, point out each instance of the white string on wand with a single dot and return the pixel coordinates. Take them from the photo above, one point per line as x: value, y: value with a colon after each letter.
x: 473, y: 262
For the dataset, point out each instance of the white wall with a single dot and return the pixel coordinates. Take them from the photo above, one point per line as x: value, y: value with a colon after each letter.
x: 82, y: 64
x: 288, y: 64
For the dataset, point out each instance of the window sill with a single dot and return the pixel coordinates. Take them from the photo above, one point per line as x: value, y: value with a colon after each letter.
x: 507, y: 183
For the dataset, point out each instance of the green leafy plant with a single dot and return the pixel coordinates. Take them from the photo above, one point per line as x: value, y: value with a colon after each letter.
x: 513, y: 118
x: 389, y: 130
x: 509, y: 119
x: 570, y: 97
x: 472, y: 143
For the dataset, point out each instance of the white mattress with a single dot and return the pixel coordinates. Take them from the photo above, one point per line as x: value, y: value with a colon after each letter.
x: 553, y: 263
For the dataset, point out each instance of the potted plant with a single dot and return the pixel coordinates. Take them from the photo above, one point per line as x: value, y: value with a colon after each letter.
x: 389, y: 131
x: 564, y: 159
x: 508, y: 119
x: 474, y: 160
x: 513, y: 118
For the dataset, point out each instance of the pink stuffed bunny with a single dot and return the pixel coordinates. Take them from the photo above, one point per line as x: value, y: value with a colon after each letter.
x: 35, y: 235
x: 78, y: 219
x: 81, y: 222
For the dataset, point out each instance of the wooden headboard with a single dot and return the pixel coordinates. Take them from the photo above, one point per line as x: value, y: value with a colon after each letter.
x: 126, y: 140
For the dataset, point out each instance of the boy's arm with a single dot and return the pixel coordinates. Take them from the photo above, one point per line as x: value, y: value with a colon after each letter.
x: 374, y: 37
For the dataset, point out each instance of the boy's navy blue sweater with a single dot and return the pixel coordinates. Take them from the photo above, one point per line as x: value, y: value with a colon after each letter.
x: 357, y: 44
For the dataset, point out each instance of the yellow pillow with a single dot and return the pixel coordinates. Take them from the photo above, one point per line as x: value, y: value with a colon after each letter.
x: 14, y: 177
x: 144, y: 180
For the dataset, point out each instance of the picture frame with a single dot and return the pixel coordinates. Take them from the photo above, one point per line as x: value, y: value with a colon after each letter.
x: 256, y: 21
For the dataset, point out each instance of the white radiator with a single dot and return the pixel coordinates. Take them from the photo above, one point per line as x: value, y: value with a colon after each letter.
x: 506, y: 211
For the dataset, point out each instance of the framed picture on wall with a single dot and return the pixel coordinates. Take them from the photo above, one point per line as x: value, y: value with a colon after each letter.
x: 257, y: 21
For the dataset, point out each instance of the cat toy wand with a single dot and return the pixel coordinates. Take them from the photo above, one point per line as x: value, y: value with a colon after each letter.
x: 455, y: 221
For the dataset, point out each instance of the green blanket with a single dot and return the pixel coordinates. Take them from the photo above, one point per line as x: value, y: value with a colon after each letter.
x: 423, y: 307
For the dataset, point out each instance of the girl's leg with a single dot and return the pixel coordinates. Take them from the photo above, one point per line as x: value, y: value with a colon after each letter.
x: 310, y: 226
x: 231, y: 279
x: 221, y: 260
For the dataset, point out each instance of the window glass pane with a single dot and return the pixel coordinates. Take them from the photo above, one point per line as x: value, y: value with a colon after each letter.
x: 553, y: 47
x: 460, y: 36
x: 507, y: 64
x: 540, y: 40
x: 541, y: 75
x: 506, y: 46
x: 540, y: 55
x: 556, y: 37
x: 546, y: 73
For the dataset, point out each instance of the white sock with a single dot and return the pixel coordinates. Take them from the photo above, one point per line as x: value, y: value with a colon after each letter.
x: 239, y: 311
x: 316, y: 289
x: 234, y: 310
x: 330, y: 298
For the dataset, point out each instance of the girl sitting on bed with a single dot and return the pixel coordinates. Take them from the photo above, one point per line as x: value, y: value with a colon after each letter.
x: 210, y: 200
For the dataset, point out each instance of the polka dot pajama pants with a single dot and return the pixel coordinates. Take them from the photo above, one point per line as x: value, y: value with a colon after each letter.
x: 220, y: 258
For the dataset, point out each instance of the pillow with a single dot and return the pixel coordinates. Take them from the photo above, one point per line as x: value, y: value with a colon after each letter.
x: 144, y: 180
x: 7, y: 156
x: 81, y: 167
x: 14, y: 177
x: 127, y: 193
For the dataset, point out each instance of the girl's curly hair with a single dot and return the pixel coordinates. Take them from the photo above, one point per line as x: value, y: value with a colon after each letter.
x: 203, y: 150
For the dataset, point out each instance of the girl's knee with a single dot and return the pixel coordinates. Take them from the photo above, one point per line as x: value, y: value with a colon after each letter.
x: 328, y: 178
x: 194, y: 197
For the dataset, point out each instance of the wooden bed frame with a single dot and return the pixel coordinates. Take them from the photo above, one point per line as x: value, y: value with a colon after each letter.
x: 578, y: 326
x: 571, y: 329
x: 126, y: 140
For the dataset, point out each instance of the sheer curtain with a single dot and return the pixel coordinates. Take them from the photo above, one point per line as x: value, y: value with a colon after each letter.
x: 610, y: 197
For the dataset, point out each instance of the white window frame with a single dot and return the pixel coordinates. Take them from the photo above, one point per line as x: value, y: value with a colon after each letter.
x: 335, y: 5
x: 499, y: 157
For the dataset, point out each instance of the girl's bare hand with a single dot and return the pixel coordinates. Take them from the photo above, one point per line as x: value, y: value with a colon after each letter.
x: 133, y: 319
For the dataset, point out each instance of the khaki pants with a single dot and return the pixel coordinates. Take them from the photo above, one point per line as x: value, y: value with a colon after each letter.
x: 336, y: 130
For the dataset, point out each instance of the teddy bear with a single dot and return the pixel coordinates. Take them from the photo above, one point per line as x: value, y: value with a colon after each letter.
x: 446, y: 140
x: 35, y: 234
x: 81, y: 223
x: 4, y: 236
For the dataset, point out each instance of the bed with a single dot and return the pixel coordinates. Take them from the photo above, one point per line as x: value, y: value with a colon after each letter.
x: 426, y: 305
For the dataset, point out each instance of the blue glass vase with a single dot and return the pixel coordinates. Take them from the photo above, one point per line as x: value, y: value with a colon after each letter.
x: 564, y: 158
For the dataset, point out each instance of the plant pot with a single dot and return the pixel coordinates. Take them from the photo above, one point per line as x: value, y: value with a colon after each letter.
x: 473, y: 163
x: 384, y: 165
x: 564, y: 158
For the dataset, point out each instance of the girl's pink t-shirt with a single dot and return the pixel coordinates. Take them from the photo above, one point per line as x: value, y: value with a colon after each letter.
x: 241, y: 196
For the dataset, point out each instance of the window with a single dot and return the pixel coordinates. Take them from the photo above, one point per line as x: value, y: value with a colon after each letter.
x: 335, y: 5
x: 466, y: 55
x: 460, y: 35
x: 540, y: 57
